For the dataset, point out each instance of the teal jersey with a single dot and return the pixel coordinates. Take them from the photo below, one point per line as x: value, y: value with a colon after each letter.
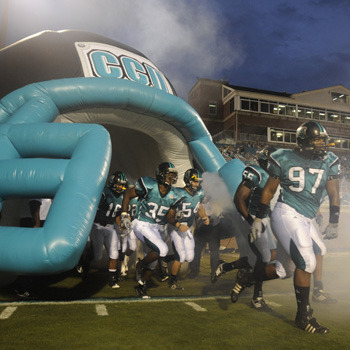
x: 303, y: 181
x: 189, y: 204
x: 108, y: 207
x: 152, y: 206
x: 258, y: 177
x: 132, y: 210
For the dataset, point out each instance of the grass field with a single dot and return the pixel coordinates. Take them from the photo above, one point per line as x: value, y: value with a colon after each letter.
x: 71, y: 314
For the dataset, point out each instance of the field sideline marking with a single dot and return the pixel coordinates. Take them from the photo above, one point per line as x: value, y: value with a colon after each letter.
x: 101, y: 310
x: 195, y: 306
x: 129, y: 300
x: 7, y: 313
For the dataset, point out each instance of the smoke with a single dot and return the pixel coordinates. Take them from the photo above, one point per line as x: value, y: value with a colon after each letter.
x: 185, y: 39
x: 217, y: 194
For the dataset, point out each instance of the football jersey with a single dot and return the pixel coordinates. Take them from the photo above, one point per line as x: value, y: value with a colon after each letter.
x: 108, y: 207
x: 258, y: 176
x: 152, y: 206
x: 302, y: 180
x: 189, y: 204
x: 132, y: 210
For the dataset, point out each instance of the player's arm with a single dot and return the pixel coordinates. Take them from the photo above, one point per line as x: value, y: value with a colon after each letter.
x: 243, y: 192
x: 124, y: 222
x: 332, y: 187
x: 266, y: 196
x: 203, y: 215
x: 128, y: 195
x: 171, y: 217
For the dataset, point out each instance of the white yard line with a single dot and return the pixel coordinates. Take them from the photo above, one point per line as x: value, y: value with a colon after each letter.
x: 7, y: 313
x: 195, y: 306
x: 131, y: 300
x: 101, y: 310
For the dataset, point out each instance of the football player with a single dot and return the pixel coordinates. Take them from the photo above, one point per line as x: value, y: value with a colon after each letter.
x: 258, y: 253
x: 303, y: 174
x: 191, y: 204
x: 157, y: 200
x: 103, y: 232
x: 127, y: 238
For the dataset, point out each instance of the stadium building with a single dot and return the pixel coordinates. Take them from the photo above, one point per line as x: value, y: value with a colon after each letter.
x: 237, y: 114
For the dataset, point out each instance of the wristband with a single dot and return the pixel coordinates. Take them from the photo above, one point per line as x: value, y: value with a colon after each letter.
x: 262, y: 209
x: 250, y: 219
x: 334, y: 214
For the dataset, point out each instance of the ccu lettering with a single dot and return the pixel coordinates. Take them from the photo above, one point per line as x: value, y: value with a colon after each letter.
x: 106, y: 64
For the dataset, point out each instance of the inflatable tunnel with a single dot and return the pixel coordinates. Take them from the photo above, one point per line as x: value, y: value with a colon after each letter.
x: 51, y: 147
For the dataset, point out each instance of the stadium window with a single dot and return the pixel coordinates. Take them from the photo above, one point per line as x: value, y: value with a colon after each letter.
x: 339, y: 97
x: 273, y: 108
x: 282, y: 109
x: 333, y: 116
x: 304, y: 112
x: 254, y: 105
x: 318, y: 114
x: 212, y: 108
x: 232, y: 105
x: 345, y: 118
x: 245, y: 104
x: 264, y: 106
x: 337, y: 143
x: 345, y: 144
x: 276, y: 135
x: 291, y: 110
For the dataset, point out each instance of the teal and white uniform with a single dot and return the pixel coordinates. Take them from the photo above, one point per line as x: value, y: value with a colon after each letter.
x: 103, y: 231
x: 254, y: 177
x: 303, y: 182
x: 183, y: 242
x: 150, y: 219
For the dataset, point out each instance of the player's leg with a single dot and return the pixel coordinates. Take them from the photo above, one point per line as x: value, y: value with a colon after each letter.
x: 319, y: 295
x: 150, y: 235
x: 178, y: 243
x: 112, y: 245
x: 293, y: 232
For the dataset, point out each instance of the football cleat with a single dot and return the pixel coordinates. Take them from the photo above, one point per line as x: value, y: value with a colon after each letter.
x: 139, y: 273
x: 24, y: 294
x: 260, y: 305
x: 242, y: 281
x: 218, y: 272
x: 175, y: 285
x: 309, y: 324
x: 162, y: 277
x: 142, y: 292
x: 320, y: 296
x: 113, y: 282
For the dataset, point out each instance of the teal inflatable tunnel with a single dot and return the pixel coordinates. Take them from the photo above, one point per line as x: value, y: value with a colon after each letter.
x: 60, y: 138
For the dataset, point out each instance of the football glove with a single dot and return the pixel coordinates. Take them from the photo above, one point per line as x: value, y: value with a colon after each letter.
x: 331, y: 231
x: 257, y: 229
x: 319, y: 219
x: 179, y: 215
x: 125, y: 222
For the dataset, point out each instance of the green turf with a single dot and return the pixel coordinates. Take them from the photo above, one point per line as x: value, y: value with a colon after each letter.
x: 166, y: 321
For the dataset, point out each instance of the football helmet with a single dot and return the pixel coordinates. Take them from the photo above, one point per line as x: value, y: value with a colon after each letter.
x: 312, y: 139
x: 263, y: 156
x: 163, y: 170
x: 193, y: 175
x: 118, y: 182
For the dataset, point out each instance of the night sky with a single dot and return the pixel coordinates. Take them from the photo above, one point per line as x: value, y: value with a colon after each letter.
x: 275, y: 45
